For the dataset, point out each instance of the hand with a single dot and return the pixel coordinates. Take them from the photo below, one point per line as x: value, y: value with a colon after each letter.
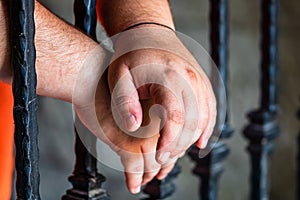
x: 175, y: 78
x: 137, y: 154
x: 152, y: 63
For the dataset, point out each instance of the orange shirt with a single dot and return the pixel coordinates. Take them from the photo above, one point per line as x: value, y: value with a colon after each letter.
x: 6, y: 140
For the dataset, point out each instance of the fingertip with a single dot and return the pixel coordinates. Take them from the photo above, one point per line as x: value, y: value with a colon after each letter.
x: 131, y: 123
x: 164, y: 172
x: 161, y: 176
x: 198, y: 144
x: 133, y: 187
x: 202, y: 143
x: 134, y: 182
x: 135, y: 190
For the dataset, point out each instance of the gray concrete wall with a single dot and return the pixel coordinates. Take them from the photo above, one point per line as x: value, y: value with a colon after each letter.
x: 55, y: 117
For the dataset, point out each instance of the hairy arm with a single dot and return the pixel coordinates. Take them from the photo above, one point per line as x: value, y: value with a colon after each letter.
x: 117, y: 15
x: 5, y: 72
x: 60, y: 52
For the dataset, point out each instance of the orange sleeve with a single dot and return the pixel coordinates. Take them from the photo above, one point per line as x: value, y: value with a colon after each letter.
x: 6, y: 140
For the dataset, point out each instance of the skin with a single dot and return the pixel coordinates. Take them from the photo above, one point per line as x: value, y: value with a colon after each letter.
x: 59, y: 64
x: 5, y: 72
x: 116, y: 16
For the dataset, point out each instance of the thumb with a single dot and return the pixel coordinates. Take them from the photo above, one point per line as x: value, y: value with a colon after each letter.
x: 126, y: 107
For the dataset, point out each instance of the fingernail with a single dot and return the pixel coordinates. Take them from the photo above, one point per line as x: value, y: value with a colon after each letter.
x: 164, y: 157
x: 161, y: 177
x: 136, y: 190
x: 203, y: 144
x: 131, y: 123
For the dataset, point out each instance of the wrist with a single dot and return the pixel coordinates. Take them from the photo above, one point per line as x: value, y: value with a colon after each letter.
x: 118, y: 15
x: 148, y: 24
x: 87, y: 78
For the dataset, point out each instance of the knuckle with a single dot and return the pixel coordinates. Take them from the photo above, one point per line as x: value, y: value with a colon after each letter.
x: 166, y: 142
x: 191, y: 125
x: 124, y: 102
x: 170, y: 62
x: 192, y: 75
x: 120, y: 100
x: 176, y: 116
x: 169, y: 72
x: 136, y: 168
x: 177, y: 151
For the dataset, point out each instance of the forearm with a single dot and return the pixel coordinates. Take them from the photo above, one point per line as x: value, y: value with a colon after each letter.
x: 61, y: 51
x: 5, y: 71
x: 117, y: 15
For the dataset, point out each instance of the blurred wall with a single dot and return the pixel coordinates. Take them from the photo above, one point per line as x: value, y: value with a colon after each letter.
x: 55, y: 117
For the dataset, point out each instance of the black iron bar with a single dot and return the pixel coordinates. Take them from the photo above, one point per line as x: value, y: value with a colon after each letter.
x: 25, y: 100
x: 157, y: 189
x: 298, y: 159
x: 210, y: 168
x: 86, y: 180
x: 263, y: 128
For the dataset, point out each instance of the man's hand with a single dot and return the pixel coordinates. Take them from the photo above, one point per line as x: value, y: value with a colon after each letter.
x: 59, y: 65
x: 137, y: 154
x: 151, y: 63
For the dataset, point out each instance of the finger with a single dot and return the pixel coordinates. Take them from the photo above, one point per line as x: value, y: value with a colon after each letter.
x: 173, y: 121
x: 190, y: 132
x: 126, y: 106
x: 163, y: 173
x: 210, y: 119
x: 151, y: 167
x: 133, y: 168
x: 181, y: 155
x: 203, y: 140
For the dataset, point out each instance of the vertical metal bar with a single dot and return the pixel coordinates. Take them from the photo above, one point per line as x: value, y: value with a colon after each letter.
x: 85, y: 16
x: 219, y: 44
x: 210, y: 168
x: 25, y: 101
x: 86, y: 180
x: 157, y: 189
x: 269, y: 54
x: 298, y: 160
x: 263, y: 128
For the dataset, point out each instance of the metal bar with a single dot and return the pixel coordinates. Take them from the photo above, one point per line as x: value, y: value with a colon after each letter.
x: 85, y: 16
x: 210, y: 168
x: 298, y: 160
x: 86, y: 180
x: 25, y: 101
x: 219, y: 44
x: 157, y: 189
x: 263, y: 128
x: 269, y: 54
